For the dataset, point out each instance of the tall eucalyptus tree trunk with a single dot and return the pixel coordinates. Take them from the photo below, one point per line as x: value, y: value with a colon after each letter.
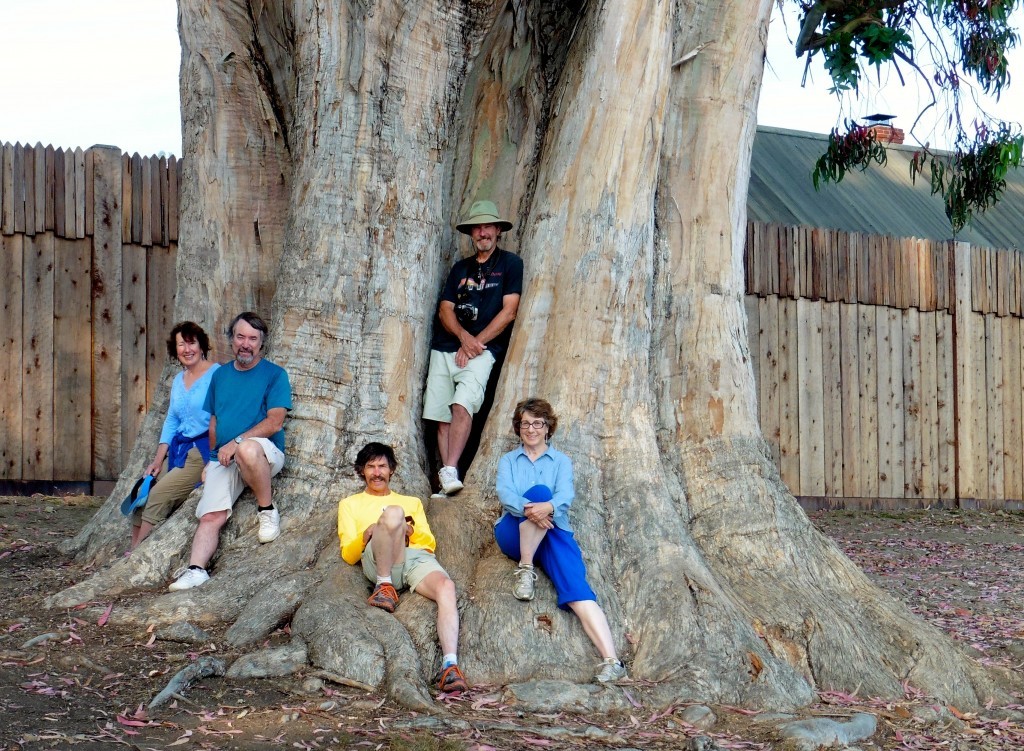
x: 330, y: 147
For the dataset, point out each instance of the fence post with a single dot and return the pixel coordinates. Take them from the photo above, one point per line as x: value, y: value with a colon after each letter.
x: 106, y: 318
x: 968, y: 352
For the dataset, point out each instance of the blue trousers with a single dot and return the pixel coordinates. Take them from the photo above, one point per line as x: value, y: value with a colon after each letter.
x: 558, y: 556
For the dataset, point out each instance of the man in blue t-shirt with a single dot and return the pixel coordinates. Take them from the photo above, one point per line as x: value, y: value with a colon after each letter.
x: 248, y: 400
x: 474, y: 322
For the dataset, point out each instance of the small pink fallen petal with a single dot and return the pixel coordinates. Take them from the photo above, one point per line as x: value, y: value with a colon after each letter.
x: 106, y: 615
x: 131, y: 723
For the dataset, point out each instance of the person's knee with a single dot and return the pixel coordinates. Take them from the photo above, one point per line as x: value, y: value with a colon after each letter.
x: 446, y: 591
x: 213, y: 519
x: 459, y: 411
x: 393, y: 517
x: 249, y: 454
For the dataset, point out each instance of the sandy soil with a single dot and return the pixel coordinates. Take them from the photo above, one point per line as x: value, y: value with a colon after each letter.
x: 86, y: 688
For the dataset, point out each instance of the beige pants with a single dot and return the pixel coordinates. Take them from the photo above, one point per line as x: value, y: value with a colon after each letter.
x: 171, y: 490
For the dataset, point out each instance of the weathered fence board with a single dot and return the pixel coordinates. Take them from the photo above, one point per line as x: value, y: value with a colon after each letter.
x: 789, y: 423
x: 832, y: 398
x: 11, y: 292
x: 849, y: 338
x: 72, y: 357
x: 810, y: 404
x: 134, y: 345
x: 37, y: 362
x: 1013, y: 458
x: 107, y: 301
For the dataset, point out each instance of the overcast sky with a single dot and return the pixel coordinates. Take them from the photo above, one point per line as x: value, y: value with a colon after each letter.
x: 81, y: 72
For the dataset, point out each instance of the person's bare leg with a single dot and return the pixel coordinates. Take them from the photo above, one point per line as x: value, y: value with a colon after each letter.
x: 457, y: 436
x: 440, y: 588
x: 255, y: 470
x: 530, y: 537
x: 204, y: 544
x: 595, y: 624
x: 140, y: 533
x: 443, y: 430
x: 388, y: 541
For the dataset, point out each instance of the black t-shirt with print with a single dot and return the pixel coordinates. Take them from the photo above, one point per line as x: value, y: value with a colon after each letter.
x: 483, y: 286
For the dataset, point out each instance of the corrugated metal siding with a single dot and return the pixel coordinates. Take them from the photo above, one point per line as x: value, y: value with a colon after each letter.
x: 881, y: 200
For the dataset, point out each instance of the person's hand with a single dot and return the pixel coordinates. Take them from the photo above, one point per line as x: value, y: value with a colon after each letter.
x: 368, y: 534
x: 540, y: 514
x: 462, y: 358
x: 202, y: 477
x: 226, y: 453
x: 473, y: 346
x: 153, y: 469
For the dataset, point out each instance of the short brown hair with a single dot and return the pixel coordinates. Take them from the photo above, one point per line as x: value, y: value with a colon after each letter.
x: 538, y: 407
x: 190, y: 332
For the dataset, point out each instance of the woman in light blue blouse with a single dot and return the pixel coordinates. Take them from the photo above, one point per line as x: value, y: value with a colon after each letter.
x: 185, y: 439
x: 535, y: 487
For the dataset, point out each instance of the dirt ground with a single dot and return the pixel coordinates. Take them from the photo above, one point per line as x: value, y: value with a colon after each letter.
x: 87, y: 687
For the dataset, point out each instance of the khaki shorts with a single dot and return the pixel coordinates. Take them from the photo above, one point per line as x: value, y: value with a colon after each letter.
x: 416, y: 567
x: 448, y: 384
x: 171, y: 490
x: 224, y: 484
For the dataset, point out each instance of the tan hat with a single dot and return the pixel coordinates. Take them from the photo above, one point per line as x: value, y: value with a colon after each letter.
x: 482, y: 212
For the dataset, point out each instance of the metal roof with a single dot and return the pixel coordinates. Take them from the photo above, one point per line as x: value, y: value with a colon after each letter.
x: 881, y: 200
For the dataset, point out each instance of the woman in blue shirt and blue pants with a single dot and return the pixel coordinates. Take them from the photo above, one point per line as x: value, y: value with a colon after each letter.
x: 535, y: 487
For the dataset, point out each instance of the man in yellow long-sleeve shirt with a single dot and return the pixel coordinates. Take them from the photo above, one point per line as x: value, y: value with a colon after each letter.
x: 389, y: 534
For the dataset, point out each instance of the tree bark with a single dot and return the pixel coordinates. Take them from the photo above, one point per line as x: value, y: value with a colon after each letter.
x: 618, y: 137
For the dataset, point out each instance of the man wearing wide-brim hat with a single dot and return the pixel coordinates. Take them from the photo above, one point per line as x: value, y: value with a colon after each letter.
x: 474, y: 321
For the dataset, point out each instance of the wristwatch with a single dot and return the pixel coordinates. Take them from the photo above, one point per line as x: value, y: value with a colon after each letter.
x: 239, y: 439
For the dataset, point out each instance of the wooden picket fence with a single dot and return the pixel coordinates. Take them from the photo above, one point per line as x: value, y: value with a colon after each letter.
x: 88, y: 241
x: 888, y: 370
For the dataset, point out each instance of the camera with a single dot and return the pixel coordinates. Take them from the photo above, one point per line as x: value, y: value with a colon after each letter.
x: 466, y: 312
x: 465, y: 308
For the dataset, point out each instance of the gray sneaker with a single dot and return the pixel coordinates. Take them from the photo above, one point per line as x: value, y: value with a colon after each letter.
x: 524, y: 588
x: 191, y: 577
x: 610, y: 671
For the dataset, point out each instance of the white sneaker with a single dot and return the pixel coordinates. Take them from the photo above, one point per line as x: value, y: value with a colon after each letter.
x: 525, y: 587
x: 611, y: 670
x: 450, y: 483
x: 270, y: 525
x: 191, y: 577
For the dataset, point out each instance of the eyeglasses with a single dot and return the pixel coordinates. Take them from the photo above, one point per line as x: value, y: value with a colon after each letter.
x: 536, y: 424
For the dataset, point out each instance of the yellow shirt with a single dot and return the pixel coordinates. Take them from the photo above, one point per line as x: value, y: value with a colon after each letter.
x: 359, y: 511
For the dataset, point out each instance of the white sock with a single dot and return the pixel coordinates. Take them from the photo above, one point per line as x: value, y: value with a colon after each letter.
x: 384, y: 580
x: 525, y: 565
x: 450, y: 659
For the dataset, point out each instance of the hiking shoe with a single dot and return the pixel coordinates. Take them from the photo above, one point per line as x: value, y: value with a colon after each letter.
x: 452, y: 680
x: 524, y: 588
x: 384, y: 597
x: 438, y: 496
x: 611, y: 670
x: 191, y: 577
x: 270, y: 525
x: 450, y: 483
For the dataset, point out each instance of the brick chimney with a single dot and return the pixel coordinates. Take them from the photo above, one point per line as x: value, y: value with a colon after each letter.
x: 881, y: 125
x: 887, y: 134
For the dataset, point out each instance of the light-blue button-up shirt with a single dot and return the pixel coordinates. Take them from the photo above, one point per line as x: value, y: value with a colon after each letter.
x: 185, y: 414
x: 517, y: 473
